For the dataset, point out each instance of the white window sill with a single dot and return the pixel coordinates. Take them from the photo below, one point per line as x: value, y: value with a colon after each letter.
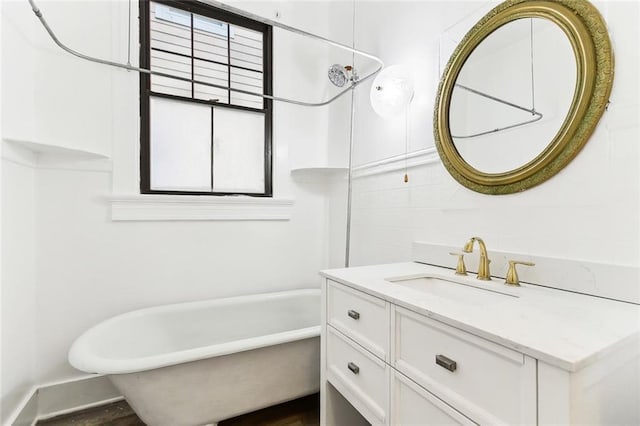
x: 205, y: 208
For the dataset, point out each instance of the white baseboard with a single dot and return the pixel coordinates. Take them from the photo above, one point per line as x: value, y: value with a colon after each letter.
x: 55, y: 399
x: 27, y: 412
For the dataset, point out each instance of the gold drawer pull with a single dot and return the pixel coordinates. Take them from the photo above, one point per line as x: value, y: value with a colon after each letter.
x: 353, y: 314
x: 445, y: 362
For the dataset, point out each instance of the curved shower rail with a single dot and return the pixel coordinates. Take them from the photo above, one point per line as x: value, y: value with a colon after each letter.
x: 231, y: 9
x: 538, y: 115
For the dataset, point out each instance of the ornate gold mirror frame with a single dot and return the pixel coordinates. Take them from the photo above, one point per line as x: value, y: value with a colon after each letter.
x: 587, y: 33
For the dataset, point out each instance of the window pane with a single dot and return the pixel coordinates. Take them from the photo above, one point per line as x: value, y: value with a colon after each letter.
x: 238, y: 156
x: 246, y: 100
x: 251, y: 81
x: 214, y: 74
x: 246, y: 48
x: 212, y: 47
x: 171, y: 64
x: 170, y: 29
x: 180, y: 145
x: 171, y: 86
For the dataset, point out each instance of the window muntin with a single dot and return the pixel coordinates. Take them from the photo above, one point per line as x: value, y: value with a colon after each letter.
x: 199, y: 42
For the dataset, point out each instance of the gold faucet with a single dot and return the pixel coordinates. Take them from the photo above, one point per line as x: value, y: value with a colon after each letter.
x: 483, y: 267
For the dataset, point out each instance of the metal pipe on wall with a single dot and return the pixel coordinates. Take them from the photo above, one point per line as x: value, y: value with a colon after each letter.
x: 347, y: 251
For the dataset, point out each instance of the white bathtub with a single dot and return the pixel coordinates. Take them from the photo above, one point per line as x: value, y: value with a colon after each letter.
x: 202, y: 362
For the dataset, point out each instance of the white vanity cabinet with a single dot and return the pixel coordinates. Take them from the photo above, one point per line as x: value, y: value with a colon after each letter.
x: 384, y: 359
x: 400, y: 366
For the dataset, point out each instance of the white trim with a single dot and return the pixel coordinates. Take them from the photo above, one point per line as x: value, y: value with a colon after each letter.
x: 26, y: 413
x: 63, y: 397
x: 413, y: 159
x: 189, y: 207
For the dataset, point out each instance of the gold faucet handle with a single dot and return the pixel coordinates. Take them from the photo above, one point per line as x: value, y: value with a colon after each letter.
x: 461, y: 269
x: 512, y: 273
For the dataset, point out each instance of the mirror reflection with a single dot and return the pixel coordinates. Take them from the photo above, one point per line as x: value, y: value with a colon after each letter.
x: 512, y: 95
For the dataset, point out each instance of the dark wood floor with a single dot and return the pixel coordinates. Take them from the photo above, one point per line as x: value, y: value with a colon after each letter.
x: 116, y: 414
x: 300, y: 412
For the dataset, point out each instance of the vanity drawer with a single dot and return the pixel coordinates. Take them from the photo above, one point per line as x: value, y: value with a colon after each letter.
x: 360, y: 316
x: 413, y: 405
x: 361, y: 377
x: 487, y: 382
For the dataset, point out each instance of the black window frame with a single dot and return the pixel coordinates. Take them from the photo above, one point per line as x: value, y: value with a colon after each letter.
x: 146, y: 93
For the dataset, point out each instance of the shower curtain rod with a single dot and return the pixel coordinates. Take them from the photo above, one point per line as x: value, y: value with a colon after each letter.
x: 538, y: 115
x: 532, y: 110
x: 231, y: 9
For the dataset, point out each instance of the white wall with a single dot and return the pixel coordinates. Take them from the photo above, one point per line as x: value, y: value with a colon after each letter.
x: 91, y: 268
x: 17, y: 229
x: 18, y: 292
x: 18, y: 95
x: 588, y: 211
x: 77, y: 267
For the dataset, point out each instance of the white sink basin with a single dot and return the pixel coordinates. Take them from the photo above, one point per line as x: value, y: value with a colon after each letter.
x: 460, y: 289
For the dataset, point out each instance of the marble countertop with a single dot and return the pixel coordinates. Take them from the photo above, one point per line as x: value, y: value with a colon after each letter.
x: 564, y: 329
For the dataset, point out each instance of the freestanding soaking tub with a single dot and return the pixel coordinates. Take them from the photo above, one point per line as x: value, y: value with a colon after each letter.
x: 201, y: 362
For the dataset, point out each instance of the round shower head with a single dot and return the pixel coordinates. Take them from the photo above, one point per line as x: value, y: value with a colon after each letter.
x: 338, y: 75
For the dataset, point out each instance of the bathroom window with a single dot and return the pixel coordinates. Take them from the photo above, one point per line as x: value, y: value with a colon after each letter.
x: 198, y: 139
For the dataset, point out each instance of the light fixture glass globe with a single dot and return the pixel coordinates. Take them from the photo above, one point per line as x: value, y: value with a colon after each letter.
x: 392, y: 91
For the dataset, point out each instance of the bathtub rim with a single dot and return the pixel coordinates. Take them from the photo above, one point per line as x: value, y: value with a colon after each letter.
x: 82, y: 357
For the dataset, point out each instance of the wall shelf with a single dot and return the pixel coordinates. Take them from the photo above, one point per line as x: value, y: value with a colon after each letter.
x: 68, y: 153
x: 47, y: 156
x: 319, y: 173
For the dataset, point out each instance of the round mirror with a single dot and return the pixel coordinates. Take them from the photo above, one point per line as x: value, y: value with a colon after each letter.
x: 522, y: 93
x: 512, y: 95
